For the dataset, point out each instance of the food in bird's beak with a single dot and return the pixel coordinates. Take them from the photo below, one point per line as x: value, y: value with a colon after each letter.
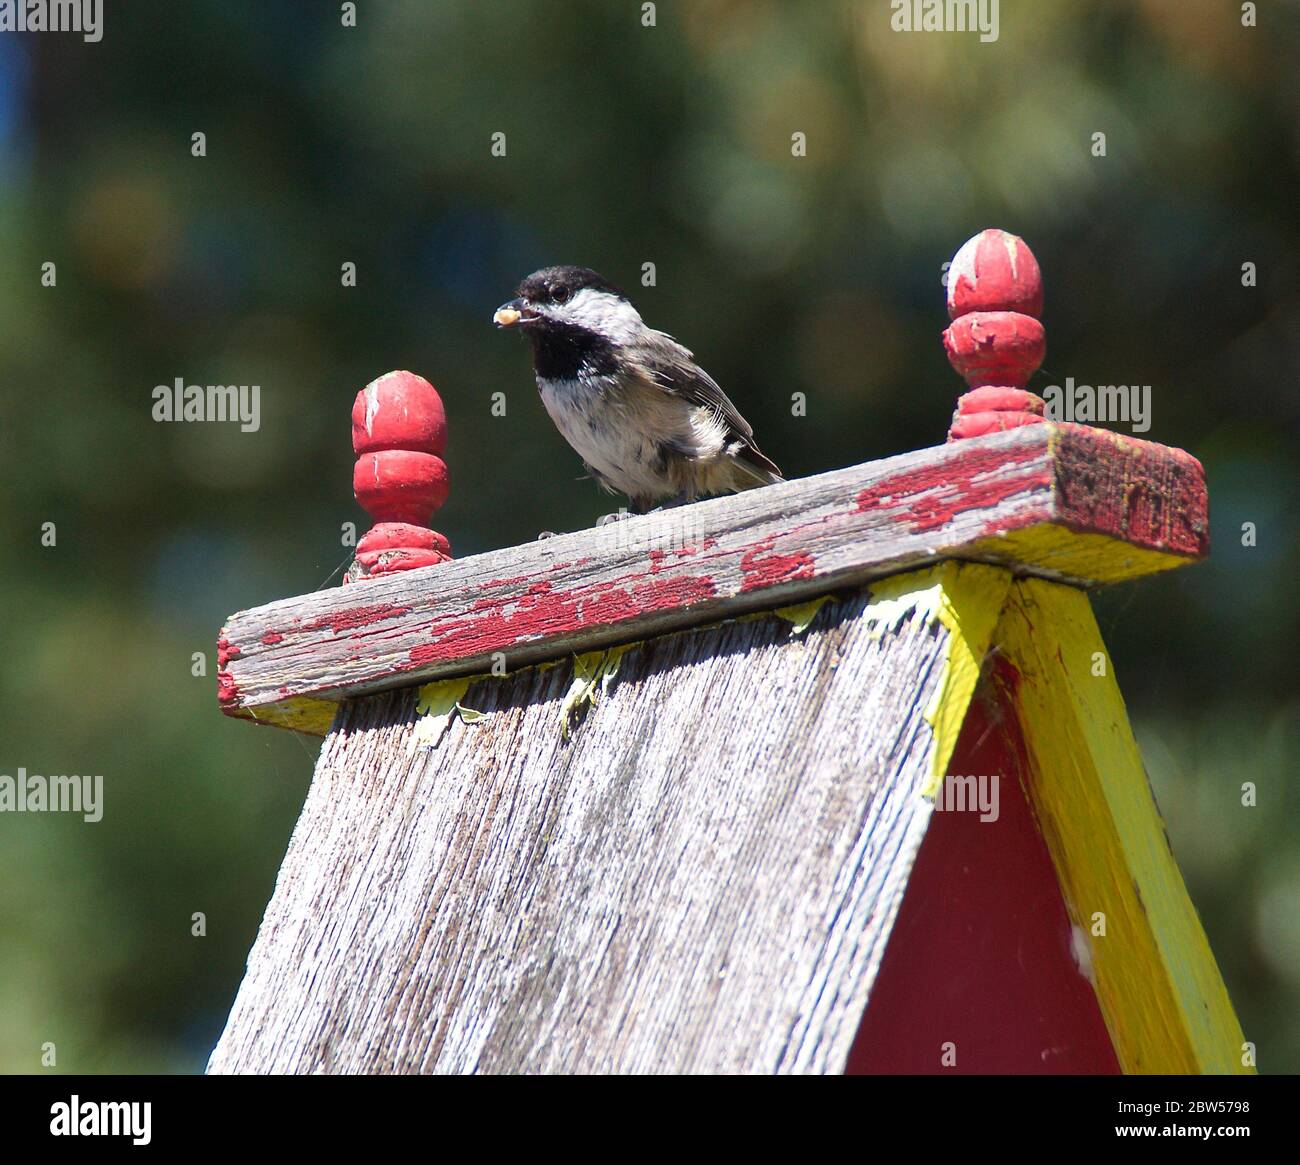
x: 506, y: 317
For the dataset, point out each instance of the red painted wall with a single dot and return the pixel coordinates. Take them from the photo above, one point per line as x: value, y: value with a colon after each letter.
x: 980, y: 955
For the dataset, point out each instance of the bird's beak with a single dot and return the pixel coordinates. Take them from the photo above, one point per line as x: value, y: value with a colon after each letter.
x: 512, y: 314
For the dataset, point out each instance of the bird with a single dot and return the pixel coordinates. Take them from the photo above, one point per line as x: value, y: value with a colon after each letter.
x: 644, y: 417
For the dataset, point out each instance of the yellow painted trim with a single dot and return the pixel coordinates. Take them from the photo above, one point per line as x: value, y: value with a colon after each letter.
x: 1088, y: 557
x: 300, y: 713
x: 435, y: 704
x: 801, y: 615
x: 593, y: 673
x: 1156, y: 980
x: 441, y: 697
x: 967, y: 598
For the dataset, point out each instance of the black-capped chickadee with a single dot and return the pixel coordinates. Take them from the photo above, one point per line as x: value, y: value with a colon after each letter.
x: 644, y: 417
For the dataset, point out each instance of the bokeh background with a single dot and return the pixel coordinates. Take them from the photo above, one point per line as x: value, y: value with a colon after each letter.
x: 625, y: 145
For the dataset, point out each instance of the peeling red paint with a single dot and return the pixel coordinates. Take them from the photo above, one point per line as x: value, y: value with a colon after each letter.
x: 512, y: 580
x: 1106, y: 482
x: 227, y: 691
x: 1074, y: 477
x: 355, y: 617
x: 497, y: 626
x: 762, y: 569
x: 931, y: 496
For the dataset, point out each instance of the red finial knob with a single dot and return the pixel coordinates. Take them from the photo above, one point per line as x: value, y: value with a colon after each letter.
x: 995, y: 295
x: 399, y: 431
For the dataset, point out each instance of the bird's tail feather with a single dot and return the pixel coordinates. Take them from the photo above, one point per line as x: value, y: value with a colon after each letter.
x: 755, y: 469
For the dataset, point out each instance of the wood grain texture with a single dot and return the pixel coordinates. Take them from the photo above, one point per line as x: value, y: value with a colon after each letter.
x: 702, y: 879
x: 1066, y: 502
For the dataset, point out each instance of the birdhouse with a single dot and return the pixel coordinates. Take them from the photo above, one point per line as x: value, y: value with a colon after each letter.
x: 829, y: 776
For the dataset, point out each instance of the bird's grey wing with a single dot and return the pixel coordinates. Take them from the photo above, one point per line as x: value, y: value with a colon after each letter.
x: 672, y: 367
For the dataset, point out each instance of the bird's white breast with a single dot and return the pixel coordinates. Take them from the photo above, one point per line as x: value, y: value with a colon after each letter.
x: 620, y: 430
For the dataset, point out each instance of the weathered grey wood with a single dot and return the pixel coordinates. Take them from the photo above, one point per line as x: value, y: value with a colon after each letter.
x: 702, y: 879
x: 1061, y: 501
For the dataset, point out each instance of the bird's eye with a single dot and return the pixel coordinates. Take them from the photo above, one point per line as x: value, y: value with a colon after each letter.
x: 559, y: 294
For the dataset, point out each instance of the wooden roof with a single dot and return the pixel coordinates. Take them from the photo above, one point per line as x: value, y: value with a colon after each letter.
x: 699, y: 872
x: 1066, y: 502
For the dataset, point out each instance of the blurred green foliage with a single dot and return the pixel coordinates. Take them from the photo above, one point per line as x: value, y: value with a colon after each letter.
x: 626, y: 145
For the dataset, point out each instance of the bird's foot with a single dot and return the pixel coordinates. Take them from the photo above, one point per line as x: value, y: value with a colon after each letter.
x: 623, y: 514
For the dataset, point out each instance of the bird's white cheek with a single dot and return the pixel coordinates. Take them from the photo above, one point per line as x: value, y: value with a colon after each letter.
x: 606, y: 314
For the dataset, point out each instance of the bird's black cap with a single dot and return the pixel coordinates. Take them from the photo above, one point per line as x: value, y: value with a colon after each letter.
x: 552, y: 284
